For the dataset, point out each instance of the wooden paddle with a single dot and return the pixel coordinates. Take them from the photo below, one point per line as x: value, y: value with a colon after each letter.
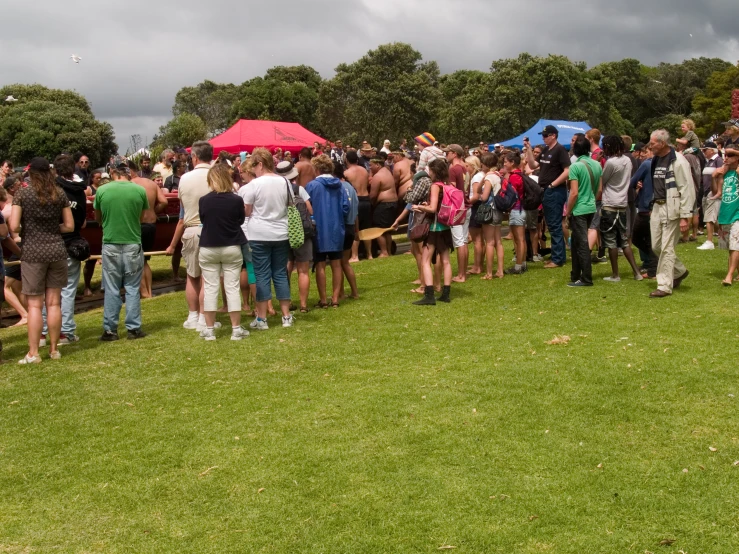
x: 372, y: 233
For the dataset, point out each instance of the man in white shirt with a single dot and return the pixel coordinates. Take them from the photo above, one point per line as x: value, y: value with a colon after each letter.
x: 193, y: 186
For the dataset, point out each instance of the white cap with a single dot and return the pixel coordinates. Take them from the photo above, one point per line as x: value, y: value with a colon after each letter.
x: 496, y: 145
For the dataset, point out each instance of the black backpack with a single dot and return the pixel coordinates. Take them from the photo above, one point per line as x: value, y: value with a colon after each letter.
x: 303, y: 211
x: 506, y: 198
x: 533, y: 194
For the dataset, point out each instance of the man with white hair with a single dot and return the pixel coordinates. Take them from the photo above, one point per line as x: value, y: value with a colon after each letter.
x: 674, y: 197
x: 386, y: 147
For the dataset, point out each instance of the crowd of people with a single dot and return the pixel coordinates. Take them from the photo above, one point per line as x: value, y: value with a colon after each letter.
x: 248, y: 220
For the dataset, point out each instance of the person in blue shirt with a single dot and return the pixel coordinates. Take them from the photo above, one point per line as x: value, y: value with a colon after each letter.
x: 330, y: 208
x: 351, y: 230
x: 641, y: 182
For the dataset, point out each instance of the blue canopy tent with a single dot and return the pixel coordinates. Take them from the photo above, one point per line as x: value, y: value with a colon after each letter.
x: 567, y: 130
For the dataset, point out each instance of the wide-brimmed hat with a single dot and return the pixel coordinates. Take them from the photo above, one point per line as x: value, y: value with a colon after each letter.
x: 366, y: 147
x: 287, y: 170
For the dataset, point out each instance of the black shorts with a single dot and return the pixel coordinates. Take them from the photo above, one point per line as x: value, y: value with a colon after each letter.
x: 473, y: 213
x: 14, y: 271
x: 613, y: 229
x: 385, y: 214
x: 441, y: 241
x: 364, y: 213
x: 148, y: 236
x: 348, y: 237
x: 319, y: 257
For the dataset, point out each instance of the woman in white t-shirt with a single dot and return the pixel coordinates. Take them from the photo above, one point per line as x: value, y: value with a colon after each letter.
x: 266, y: 199
x: 491, y: 184
x: 474, y: 169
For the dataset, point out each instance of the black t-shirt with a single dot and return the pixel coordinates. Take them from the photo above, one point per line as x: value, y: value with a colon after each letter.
x: 78, y: 202
x: 222, y: 215
x: 660, y: 168
x: 552, y: 163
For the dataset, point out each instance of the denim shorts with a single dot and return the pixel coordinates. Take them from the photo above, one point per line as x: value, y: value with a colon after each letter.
x: 613, y: 228
x: 517, y: 218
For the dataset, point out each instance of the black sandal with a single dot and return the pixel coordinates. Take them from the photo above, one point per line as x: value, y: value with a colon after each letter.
x: 322, y: 305
x: 304, y: 310
x: 334, y: 304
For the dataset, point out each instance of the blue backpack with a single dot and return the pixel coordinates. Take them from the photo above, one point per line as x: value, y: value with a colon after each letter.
x: 506, y: 198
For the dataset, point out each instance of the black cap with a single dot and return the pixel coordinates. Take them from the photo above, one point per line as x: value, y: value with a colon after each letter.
x: 39, y: 164
x: 550, y: 130
x: 639, y: 146
x: 709, y: 144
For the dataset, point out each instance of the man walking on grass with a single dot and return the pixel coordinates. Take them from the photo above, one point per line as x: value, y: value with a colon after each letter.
x: 118, y: 208
x: 674, y: 196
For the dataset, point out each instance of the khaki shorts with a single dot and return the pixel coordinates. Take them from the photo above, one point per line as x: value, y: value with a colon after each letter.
x: 733, y: 234
x: 37, y: 277
x: 710, y: 209
x: 191, y: 250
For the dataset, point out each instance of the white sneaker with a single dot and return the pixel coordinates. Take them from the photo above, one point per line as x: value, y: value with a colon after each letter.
x: 208, y: 334
x: 203, y: 326
x: 55, y: 355
x: 239, y: 333
x: 259, y: 324
x: 287, y: 321
x: 30, y: 360
x: 191, y: 323
x: 610, y: 279
x: 708, y: 245
x: 42, y: 341
x: 537, y: 259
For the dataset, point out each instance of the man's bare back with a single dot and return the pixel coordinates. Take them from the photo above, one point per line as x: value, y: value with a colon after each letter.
x: 306, y: 173
x: 359, y: 179
x: 384, y: 183
x: 156, y: 198
x: 402, y: 175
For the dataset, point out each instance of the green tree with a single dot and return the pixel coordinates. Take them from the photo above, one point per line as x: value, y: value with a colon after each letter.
x: 211, y: 102
x: 388, y: 93
x: 46, y: 122
x: 713, y: 104
x: 465, y: 114
x: 283, y: 94
x: 182, y: 130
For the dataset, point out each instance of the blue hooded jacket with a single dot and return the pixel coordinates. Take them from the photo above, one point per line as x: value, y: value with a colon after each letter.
x: 330, y: 206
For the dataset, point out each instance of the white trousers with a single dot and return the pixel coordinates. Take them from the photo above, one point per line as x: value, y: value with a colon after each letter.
x: 214, y: 261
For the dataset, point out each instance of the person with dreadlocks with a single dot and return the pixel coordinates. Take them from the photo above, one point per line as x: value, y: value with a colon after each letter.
x: 384, y: 197
x: 613, y: 226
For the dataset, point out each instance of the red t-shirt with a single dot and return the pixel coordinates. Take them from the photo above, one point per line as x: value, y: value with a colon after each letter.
x: 598, y: 156
x: 516, y: 181
x: 456, y: 179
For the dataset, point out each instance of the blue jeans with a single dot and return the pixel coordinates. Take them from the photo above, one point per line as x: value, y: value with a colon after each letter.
x: 270, y: 266
x: 123, y: 266
x: 68, y: 294
x: 554, y: 204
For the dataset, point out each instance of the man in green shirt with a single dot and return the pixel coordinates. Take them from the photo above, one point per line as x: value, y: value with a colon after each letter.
x: 725, y: 179
x: 585, y: 182
x: 118, y: 208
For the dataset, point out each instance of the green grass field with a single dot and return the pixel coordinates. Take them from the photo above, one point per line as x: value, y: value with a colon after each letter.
x: 386, y: 427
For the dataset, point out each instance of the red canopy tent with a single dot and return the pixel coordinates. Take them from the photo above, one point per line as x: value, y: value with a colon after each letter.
x: 248, y: 134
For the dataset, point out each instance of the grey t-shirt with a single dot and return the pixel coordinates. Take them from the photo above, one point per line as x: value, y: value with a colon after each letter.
x: 616, y: 178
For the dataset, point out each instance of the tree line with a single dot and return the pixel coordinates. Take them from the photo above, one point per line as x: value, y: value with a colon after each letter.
x: 392, y: 93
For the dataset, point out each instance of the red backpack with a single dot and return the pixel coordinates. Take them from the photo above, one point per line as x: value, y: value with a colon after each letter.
x: 452, y: 211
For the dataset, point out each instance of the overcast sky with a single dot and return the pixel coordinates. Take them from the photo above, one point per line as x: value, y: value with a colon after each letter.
x: 137, y: 54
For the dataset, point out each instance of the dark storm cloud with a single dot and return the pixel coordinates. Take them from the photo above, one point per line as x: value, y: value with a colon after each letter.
x: 138, y: 54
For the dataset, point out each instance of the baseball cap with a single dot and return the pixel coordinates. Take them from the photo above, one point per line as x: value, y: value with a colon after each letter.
x: 732, y: 123
x: 709, y: 144
x: 550, y: 130
x: 456, y: 148
x: 287, y: 170
x: 39, y: 164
